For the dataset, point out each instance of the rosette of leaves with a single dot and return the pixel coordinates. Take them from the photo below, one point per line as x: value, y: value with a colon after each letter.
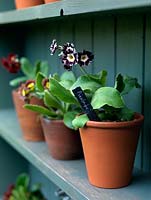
x: 60, y: 104
x: 22, y: 191
x: 29, y: 70
x: 107, y: 102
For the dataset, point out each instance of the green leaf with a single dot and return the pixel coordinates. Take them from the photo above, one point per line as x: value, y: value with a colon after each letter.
x: 56, y: 77
x: 27, y: 68
x: 68, y: 118
x: 39, y: 78
x: 66, y: 83
x: 61, y: 93
x: 80, y: 121
x: 87, y: 83
x: 125, y: 84
x: 103, y: 77
x: 18, y: 81
x: 36, y: 187
x: 16, y: 194
x: 107, y: 96
x: 23, y: 180
x: 44, y: 67
x: 100, y: 77
x: 68, y: 76
x: 22, y: 193
x: 51, y: 101
x: 41, y: 110
x: 119, y: 83
x: 130, y: 83
x: 37, y: 67
x: 126, y: 114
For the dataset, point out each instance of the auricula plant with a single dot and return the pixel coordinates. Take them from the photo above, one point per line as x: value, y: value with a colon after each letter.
x: 108, y: 102
x: 13, y: 64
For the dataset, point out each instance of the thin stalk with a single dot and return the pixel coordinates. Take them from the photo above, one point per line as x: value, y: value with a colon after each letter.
x: 83, y: 71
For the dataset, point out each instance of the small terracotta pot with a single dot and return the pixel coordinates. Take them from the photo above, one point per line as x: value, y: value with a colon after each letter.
x: 109, y: 151
x: 63, y: 143
x: 29, y: 121
x: 50, y: 1
x: 20, y: 4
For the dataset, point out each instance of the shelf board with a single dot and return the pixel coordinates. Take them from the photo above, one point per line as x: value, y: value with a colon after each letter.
x: 68, y: 175
x: 69, y: 7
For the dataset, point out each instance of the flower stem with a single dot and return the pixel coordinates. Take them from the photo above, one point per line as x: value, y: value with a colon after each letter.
x: 83, y: 71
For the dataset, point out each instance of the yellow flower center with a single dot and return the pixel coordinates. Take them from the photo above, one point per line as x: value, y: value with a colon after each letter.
x: 71, y: 57
x: 47, y: 85
x: 31, y: 86
x: 84, y: 58
x: 24, y: 92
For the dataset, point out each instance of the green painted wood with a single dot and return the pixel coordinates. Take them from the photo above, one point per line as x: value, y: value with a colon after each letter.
x: 129, y: 59
x: 68, y: 175
x: 103, y: 46
x: 6, y: 5
x: 83, y: 39
x: 52, y: 32
x: 71, y: 7
x: 147, y: 98
x: 8, y: 44
x: 65, y: 35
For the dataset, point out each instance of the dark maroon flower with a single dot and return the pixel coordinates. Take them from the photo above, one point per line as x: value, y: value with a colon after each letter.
x: 53, y: 47
x: 69, y: 60
x: 11, y: 63
x: 8, y: 193
x: 85, y: 57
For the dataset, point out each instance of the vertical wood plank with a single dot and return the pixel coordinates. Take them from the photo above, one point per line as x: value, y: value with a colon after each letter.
x: 83, y: 38
x: 147, y: 98
x: 104, y: 39
x: 129, y: 59
x: 51, y: 32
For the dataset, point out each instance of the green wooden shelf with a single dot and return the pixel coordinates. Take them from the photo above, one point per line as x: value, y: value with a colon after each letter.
x: 68, y: 175
x: 69, y: 7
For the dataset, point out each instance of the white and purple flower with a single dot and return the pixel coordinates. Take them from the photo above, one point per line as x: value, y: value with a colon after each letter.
x: 53, y: 47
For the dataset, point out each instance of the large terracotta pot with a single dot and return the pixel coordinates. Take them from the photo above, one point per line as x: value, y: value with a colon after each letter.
x: 50, y: 1
x: 20, y: 4
x: 109, y: 151
x: 63, y: 143
x: 29, y: 121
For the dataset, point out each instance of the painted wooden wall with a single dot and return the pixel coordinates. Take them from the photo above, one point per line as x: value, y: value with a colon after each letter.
x: 121, y: 43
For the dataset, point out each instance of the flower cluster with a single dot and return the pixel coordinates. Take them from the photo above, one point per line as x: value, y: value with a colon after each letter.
x: 11, y: 63
x: 70, y: 57
x: 27, y: 88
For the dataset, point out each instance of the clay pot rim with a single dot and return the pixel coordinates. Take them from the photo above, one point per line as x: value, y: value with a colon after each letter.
x: 138, y: 119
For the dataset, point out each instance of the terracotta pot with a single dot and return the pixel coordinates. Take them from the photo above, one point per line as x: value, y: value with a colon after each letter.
x: 20, y: 4
x: 63, y: 143
x: 50, y: 1
x: 29, y: 121
x: 109, y: 151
